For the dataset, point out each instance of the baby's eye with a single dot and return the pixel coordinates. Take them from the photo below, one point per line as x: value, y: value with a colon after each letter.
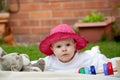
x: 68, y: 44
x: 58, y: 46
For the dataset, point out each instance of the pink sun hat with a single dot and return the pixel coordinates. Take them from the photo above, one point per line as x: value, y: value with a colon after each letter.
x: 62, y: 31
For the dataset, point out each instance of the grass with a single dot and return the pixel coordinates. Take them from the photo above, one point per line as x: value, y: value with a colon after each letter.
x: 32, y: 51
x: 110, y: 49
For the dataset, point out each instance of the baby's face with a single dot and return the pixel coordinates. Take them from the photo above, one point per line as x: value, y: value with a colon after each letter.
x: 64, y: 49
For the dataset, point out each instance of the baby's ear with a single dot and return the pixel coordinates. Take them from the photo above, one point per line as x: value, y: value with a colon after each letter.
x: 51, y: 48
x: 75, y: 44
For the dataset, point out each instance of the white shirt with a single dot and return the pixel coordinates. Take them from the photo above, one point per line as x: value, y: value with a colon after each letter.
x: 84, y: 59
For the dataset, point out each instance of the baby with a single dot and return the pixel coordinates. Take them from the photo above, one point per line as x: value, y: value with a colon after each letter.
x: 61, y: 48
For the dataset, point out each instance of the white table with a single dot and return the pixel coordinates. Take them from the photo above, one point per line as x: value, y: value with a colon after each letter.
x: 8, y: 75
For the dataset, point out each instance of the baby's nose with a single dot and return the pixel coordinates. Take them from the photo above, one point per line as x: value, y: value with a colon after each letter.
x: 64, y: 49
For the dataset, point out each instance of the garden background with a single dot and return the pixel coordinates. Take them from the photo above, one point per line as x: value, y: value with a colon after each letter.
x: 35, y: 18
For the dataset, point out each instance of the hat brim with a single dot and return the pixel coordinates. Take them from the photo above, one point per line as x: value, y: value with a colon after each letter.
x: 45, y: 44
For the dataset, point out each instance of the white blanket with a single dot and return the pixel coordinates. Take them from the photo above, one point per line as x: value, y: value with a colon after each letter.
x: 9, y: 75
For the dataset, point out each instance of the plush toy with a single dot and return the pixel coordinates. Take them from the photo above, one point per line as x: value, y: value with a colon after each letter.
x: 19, y: 62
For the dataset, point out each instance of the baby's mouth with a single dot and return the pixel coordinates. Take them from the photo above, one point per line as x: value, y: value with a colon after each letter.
x: 65, y: 54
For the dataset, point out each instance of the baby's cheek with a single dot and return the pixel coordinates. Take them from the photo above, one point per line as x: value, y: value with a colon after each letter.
x: 72, y: 48
x: 56, y: 50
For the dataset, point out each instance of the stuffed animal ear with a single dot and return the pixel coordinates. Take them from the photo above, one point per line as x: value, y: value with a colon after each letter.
x: 1, y: 59
x: 25, y: 58
x: 2, y: 52
x: 25, y: 55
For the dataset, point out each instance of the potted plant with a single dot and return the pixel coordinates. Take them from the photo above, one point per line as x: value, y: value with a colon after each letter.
x: 116, y: 25
x: 94, y: 26
x: 116, y: 32
x: 4, y: 14
x: 6, y: 36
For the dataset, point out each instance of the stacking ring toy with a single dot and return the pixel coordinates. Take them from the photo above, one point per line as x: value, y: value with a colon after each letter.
x: 92, y: 69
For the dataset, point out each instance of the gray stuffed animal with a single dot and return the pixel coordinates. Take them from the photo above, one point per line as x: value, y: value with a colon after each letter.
x: 19, y: 62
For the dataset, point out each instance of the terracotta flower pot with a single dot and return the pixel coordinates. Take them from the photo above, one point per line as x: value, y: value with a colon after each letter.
x: 7, y: 36
x: 3, y: 20
x: 93, y: 32
x: 4, y: 17
x: 9, y: 40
